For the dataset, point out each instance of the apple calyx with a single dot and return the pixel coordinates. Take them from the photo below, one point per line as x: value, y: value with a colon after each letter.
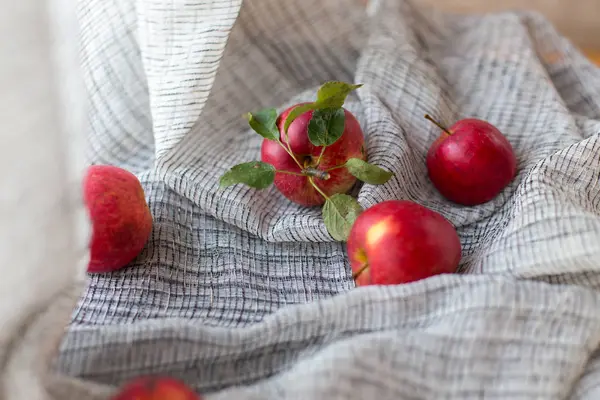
x: 325, y: 127
x: 436, y: 123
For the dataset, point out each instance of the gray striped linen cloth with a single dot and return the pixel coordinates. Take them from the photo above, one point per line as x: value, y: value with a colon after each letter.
x: 244, y: 295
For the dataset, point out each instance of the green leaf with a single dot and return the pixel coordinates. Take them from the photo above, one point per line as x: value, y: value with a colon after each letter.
x: 368, y: 173
x: 339, y: 213
x: 326, y: 126
x: 296, y: 112
x: 333, y: 94
x: 330, y: 95
x: 264, y: 123
x: 256, y: 174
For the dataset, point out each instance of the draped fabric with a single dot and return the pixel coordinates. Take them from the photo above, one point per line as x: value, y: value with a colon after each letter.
x: 244, y: 295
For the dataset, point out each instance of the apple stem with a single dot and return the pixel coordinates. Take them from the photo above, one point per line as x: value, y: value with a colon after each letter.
x: 317, y: 173
x: 428, y: 117
x: 321, y: 155
x: 360, y: 271
x: 336, y: 167
x: 288, y: 172
x: 289, y: 151
x: 318, y: 189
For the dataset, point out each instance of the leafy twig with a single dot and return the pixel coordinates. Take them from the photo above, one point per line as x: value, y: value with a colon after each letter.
x: 326, y: 126
x: 289, y: 151
x: 289, y: 172
x: 336, y: 167
x: 318, y: 189
x: 321, y: 155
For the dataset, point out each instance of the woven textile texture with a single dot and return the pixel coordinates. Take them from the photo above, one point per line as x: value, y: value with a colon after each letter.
x: 245, y: 296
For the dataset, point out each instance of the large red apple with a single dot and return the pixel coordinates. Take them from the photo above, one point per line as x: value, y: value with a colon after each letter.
x: 399, y: 241
x: 471, y: 162
x: 298, y: 188
x: 156, y: 388
x: 120, y: 217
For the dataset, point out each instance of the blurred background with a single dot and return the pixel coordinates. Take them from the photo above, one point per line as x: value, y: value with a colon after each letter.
x: 579, y: 20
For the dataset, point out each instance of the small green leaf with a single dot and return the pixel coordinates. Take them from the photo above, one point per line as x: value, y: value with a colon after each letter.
x: 256, y: 174
x: 326, y: 126
x: 296, y: 112
x: 339, y: 213
x: 368, y: 173
x: 264, y: 123
x: 333, y: 94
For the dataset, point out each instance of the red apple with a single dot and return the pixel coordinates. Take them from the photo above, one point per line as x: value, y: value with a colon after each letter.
x: 156, y: 388
x: 120, y: 217
x: 399, y: 241
x: 471, y: 162
x: 298, y: 188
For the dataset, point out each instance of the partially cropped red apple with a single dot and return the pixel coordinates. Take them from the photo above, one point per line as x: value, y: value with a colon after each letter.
x: 156, y: 388
x: 471, y: 162
x: 399, y: 241
x: 298, y: 188
x: 120, y: 217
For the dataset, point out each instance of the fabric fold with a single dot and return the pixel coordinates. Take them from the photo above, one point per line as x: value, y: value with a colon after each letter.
x: 244, y: 295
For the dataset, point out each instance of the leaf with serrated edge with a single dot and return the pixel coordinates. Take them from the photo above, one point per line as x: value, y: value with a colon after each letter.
x: 339, y: 213
x: 256, y: 174
x: 264, y: 123
x: 326, y: 126
x: 296, y: 112
x: 333, y: 94
x: 368, y: 173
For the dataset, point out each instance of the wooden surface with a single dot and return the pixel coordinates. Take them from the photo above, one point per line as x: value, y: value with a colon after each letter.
x: 594, y: 56
x: 579, y: 20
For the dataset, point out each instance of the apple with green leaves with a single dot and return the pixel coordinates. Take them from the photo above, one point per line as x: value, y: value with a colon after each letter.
x: 471, y: 162
x: 314, y: 152
x: 400, y: 241
x: 320, y: 163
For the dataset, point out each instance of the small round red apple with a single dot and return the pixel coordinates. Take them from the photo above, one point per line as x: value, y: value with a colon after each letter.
x: 298, y: 188
x: 471, y: 162
x: 120, y: 217
x: 399, y: 241
x: 156, y: 388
